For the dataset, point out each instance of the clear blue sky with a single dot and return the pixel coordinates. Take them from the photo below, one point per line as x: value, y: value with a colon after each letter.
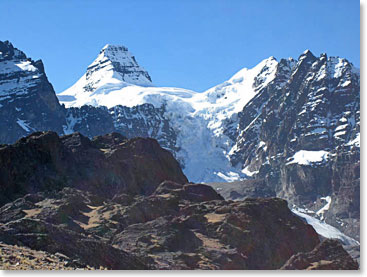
x: 192, y: 44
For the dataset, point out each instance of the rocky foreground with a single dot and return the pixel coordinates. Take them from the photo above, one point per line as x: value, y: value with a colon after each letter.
x: 70, y: 202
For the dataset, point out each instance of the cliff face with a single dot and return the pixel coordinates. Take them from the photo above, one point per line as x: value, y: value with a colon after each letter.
x: 27, y: 99
x: 302, y: 137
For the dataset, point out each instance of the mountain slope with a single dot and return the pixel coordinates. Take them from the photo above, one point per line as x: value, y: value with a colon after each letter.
x: 27, y: 99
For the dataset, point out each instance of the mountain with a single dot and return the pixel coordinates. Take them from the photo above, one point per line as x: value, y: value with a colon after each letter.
x: 182, y: 111
x: 293, y: 124
x: 302, y: 137
x: 27, y: 99
x: 114, y: 65
x: 287, y: 128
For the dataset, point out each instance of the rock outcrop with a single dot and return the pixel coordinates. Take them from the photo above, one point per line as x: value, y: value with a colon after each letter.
x: 107, y: 165
x: 328, y: 255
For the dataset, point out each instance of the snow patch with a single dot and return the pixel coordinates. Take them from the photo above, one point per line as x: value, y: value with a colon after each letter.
x: 248, y: 172
x: 325, y: 208
x: 356, y: 141
x: 305, y: 157
x: 25, y: 125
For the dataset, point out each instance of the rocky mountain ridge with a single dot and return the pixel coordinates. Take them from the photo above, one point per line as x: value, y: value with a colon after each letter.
x: 128, y: 218
x: 302, y: 138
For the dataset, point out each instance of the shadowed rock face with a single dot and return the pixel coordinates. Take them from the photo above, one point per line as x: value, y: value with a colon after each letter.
x: 139, y: 121
x: 328, y: 255
x: 107, y: 165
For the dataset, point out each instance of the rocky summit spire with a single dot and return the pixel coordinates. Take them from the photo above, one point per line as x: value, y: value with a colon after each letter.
x: 8, y: 52
x: 114, y: 65
x: 118, y: 60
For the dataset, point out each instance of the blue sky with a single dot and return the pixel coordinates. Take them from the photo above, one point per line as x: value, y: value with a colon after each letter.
x: 193, y: 44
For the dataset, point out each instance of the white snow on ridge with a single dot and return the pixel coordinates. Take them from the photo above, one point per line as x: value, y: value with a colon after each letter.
x: 325, y: 229
x: 305, y: 157
x: 248, y: 172
x: 7, y: 67
x: 10, y: 84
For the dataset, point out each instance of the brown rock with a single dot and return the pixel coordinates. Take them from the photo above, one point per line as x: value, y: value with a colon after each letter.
x: 328, y: 255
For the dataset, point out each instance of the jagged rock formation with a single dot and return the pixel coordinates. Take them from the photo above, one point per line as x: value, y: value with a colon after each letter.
x: 328, y: 255
x: 302, y: 137
x: 177, y: 227
x: 27, y: 99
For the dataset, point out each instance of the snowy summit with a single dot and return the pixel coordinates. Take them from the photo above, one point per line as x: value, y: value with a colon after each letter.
x: 115, y: 65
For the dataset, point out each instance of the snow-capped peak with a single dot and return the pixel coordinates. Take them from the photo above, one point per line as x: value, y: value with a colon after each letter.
x: 306, y: 55
x: 121, y: 64
x: 116, y: 54
x: 114, y: 65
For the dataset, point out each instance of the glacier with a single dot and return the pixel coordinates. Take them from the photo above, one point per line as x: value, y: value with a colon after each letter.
x: 198, y: 117
x: 325, y: 229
